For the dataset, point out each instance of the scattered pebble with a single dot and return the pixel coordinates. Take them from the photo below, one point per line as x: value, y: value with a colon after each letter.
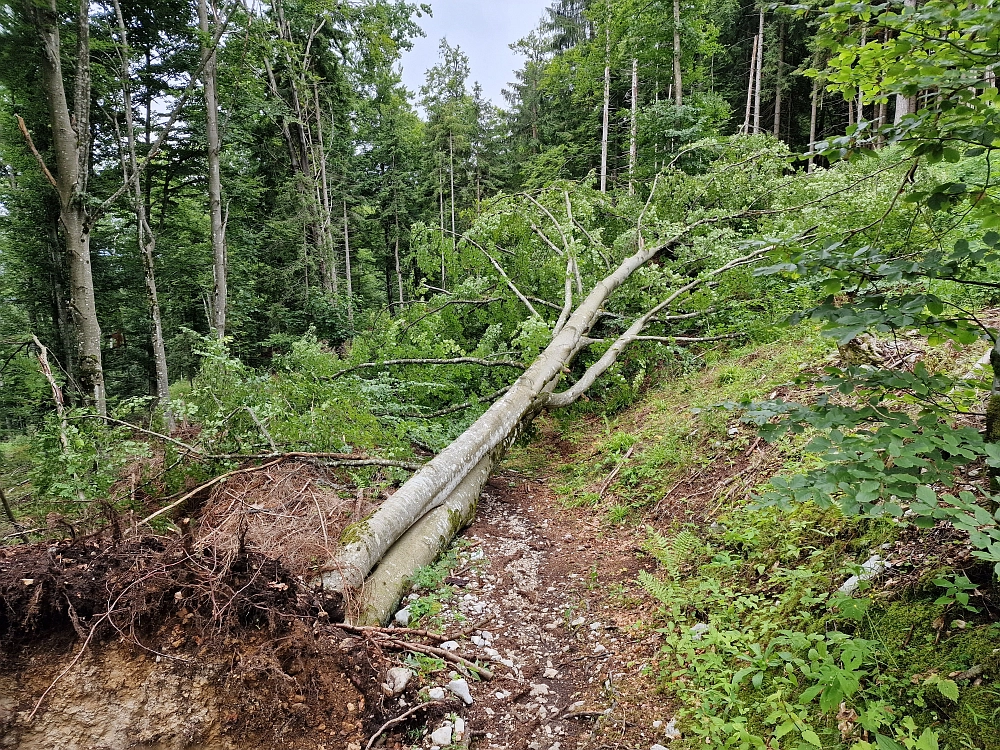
x: 402, y: 618
x: 539, y: 689
x: 442, y: 735
x: 396, y: 681
x: 671, y: 731
x: 450, y: 646
x: 461, y: 689
x: 436, y: 694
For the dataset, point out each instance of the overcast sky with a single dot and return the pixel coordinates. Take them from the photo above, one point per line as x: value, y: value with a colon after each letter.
x: 483, y: 29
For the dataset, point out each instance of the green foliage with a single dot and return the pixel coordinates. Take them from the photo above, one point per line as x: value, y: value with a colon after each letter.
x: 760, y: 653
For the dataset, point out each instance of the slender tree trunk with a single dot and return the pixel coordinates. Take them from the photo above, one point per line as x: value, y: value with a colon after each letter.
x: 678, y: 97
x: 905, y: 105
x: 444, y: 284
x: 812, y: 123
x: 399, y: 273
x: 451, y: 173
x: 607, y: 109
x: 220, y: 263
x: 347, y: 267
x: 758, y: 69
x: 633, y: 146
x: 753, y: 69
x: 146, y: 238
x: 780, y: 80
x: 71, y: 143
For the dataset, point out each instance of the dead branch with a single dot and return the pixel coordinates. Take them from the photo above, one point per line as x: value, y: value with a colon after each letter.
x: 374, y: 462
x: 399, y: 720
x: 688, y: 339
x: 456, y: 407
x: 454, y: 361
x: 182, y: 445
x: 487, y: 301
x: 34, y: 151
x: 207, y: 485
x: 510, y: 283
x: 365, y: 629
x: 611, y: 477
x: 441, y: 653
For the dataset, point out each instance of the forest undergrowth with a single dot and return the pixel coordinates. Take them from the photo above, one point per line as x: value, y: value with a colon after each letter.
x: 801, y: 627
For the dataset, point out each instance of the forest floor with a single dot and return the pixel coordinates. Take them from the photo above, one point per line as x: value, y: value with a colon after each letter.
x: 105, y: 643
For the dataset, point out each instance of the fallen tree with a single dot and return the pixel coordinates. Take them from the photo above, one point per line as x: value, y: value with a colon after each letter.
x: 422, y: 517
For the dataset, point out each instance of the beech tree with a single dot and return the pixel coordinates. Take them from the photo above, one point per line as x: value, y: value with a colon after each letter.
x: 72, y: 144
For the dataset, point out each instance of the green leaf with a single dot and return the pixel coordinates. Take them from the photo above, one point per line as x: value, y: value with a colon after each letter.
x: 812, y: 738
x: 949, y: 689
x: 883, y: 742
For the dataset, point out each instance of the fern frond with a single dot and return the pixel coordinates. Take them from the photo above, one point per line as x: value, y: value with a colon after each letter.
x: 662, y: 591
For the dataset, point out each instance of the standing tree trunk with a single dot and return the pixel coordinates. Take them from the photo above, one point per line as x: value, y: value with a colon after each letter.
x: 780, y: 80
x: 753, y: 68
x: 607, y: 109
x: 347, y: 267
x: 146, y: 238
x: 812, y: 123
x: 758, y: 69
x: 633, y: 146
x: 451, y: 172
x: 444, y: 284
x: 678, y: 98
x: 220, y: 263
x: 71, y: 142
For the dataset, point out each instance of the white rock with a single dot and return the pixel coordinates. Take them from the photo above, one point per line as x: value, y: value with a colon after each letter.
x: 699, y: 630
x: 657, y: 746
x: 442, y: 735
x: 459, y: 729
x: 578, y: 622
x: 595, y: 626
x: 450, y: 646
x: 599, y: 648
x: 487, y: 635
x: 396, y: 680
x: 671, y: 731
x: 872, y: 567
x: 539, y: 689
x: 657, y: 724
x: 436, y: 693
x: 461, y: 689
x: 413, y: 597
x: 478, y: 641
x: 550, y: 673
x: 402, y: 617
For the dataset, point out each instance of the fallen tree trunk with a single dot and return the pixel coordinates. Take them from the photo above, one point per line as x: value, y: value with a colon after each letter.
x: 366, y: 542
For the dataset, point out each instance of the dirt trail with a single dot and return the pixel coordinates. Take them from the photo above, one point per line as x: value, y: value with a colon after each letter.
x: 545, y: 595
x: 549, y: 592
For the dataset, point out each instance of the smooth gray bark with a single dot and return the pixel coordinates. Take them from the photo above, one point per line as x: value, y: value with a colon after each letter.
x: 633, y: 145
x: 757, y: 74
x: 607, y: 110
x: 72, y: 145
x: 220, y: 263
x: 678, y: 80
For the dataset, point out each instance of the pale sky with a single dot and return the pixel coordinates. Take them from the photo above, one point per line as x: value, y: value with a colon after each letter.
x: 483, y: 29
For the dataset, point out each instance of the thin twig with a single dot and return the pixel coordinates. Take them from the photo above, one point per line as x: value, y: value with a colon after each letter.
x: 398, y: 720
x: 38, y: 157
x: 453, y: 361
x: 441, y: 653
x: 393, y: 631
